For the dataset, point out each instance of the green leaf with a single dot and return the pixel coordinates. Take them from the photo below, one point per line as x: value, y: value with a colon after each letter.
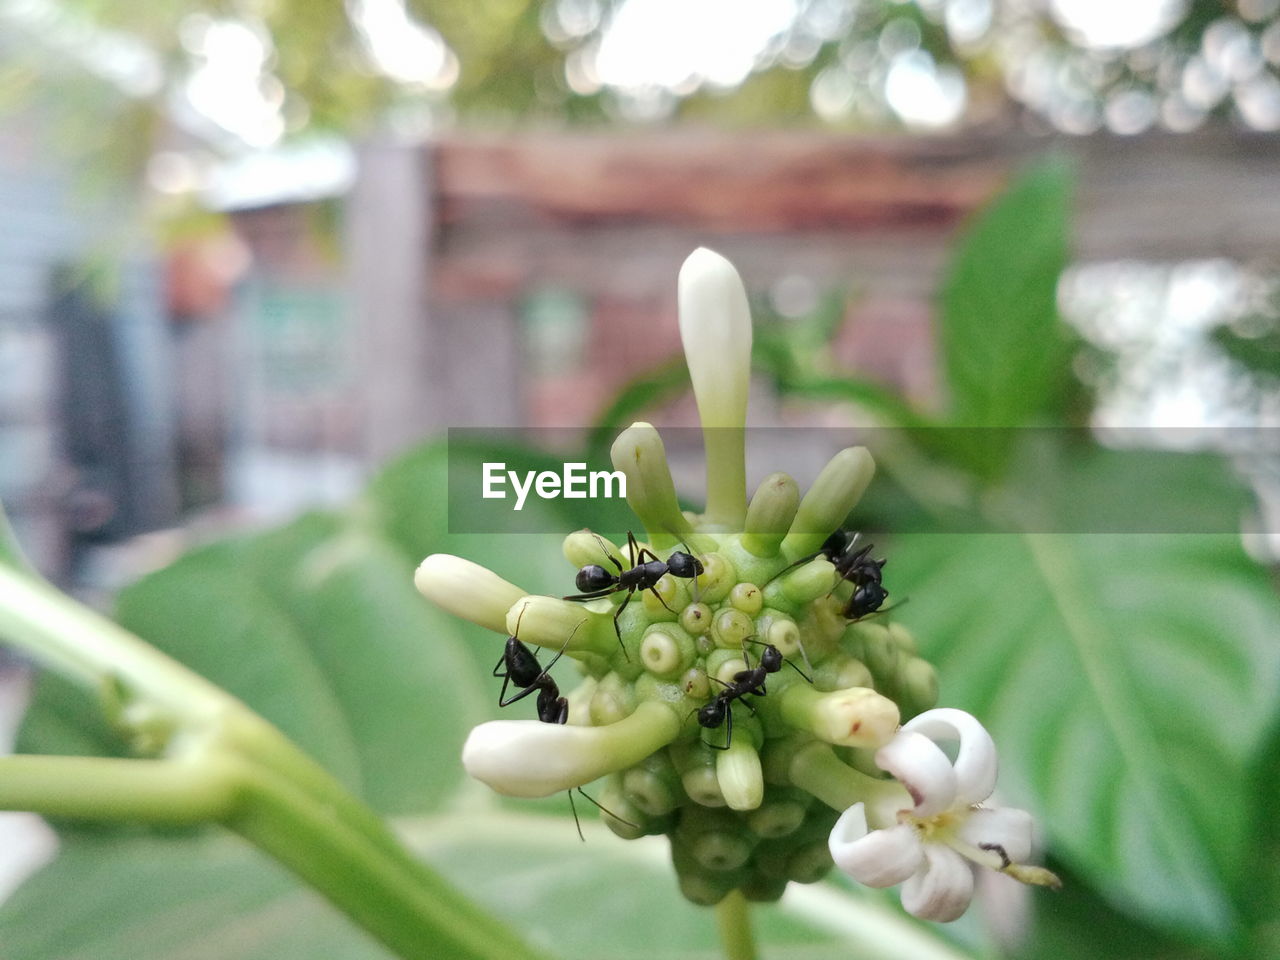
x: 1129, y: 681
x: 657, y: 385
x: 1000, y: 340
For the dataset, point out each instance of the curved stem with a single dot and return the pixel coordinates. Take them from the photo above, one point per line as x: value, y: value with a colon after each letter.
x: 240, y: 771
x: 733, y: 920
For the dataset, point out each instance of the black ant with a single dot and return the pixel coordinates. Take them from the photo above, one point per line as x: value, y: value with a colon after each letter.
x: 857, y: 567
x: 745, y: 682
x: 527, y: 673
x: 595, y: 581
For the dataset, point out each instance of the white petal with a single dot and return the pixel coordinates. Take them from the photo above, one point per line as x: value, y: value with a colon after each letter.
x: 1004, y: 827
x: 879, y: 858
x: 943, y: 889
x: 921, y: 767
x: 976, y: 763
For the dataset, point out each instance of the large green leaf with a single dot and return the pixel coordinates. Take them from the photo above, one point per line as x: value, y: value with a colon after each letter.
x: 1129, y: 681
x: 1001, y: 344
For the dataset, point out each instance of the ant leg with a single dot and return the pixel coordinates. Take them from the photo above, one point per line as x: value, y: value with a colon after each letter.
x: 531, y: 688
x: 576, y: 822
x: 633, y: 548
x: 606, y: 810
x: 654, y: 591
x: 728, y: 728
x: 617, y: 629
x: 608, y: 553
x: 593, y: 595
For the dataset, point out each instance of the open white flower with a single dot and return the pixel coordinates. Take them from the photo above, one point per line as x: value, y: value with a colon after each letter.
x: 932, y: 847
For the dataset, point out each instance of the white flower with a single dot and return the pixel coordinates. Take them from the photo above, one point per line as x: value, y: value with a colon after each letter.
x: 932, y: 847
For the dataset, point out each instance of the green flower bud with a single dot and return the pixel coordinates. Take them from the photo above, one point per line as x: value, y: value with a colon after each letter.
x: 777, y: 818
x: 639, y: 454
x: 858, y: 717
x: 918, y: 682
x: 583, y: 547
x: 721, y: 850
x: 560, y: 624
x: 716, y: 580
x: 810, y: 863
x: 620, y: 815
x: 696, y: 618
x: 674, y: 595
x: 730, y: 627
x: 666, y: 651
x: 695, y: 684
x: 747, y: 598
x: 653, y: 786
x: 840, y: 673
x: 738, y: 769
x: 824, y: 508
x: 612, y: 700
x: 772, y: 510
x: 803, y: 584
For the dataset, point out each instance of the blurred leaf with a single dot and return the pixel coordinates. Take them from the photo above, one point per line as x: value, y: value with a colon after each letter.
x: 146, y: 897
x: 1129, y: 682
x: 655, y: 386
x: 211, y: 897
x: 1002, y: 349
x: 1076, y: 924
x: 1259, y: 355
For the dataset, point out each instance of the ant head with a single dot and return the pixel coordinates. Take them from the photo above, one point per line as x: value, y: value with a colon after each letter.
x: 593, y: 577
x: 867, y: 599
x: 837, y: 543
x: 771, y: 659
x: 681, y: 564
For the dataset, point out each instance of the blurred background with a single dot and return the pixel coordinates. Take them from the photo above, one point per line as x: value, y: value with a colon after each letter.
x: 256, y: 248
x: 258, y: 255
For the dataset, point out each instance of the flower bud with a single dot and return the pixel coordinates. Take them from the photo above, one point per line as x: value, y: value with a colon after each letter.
x: 738, y: 770
x: 528, y: 758
x: 824, y: 508
x: 639, y: 454
x: 467, y: 590
x: 715, y: 327
x: 857, y: 717
x: 772, y: 510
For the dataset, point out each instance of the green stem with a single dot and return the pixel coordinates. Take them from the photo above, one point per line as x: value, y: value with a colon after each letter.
x: 185, y: 791
x: 733, y: 920
x: 405, y: 905
x: 245, y: 774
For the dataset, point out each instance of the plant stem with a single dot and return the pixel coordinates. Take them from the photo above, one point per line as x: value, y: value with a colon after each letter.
x: 733, y: 920
x: 185, y: 791
x: 237, y: 769
x: 409, y: 908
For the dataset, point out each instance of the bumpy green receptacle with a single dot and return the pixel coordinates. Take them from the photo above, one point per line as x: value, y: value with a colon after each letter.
x: 717, y: 626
